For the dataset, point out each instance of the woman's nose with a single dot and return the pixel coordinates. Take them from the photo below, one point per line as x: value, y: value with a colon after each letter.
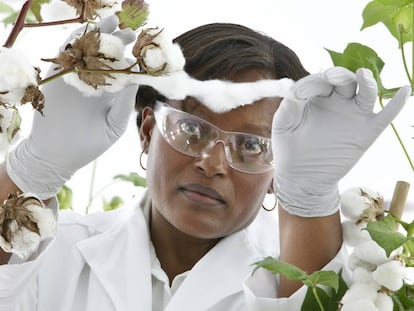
x: 212, y: 161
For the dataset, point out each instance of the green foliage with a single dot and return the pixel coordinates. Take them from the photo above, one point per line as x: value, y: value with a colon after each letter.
x: 115, y: 203
x: 64, y: 198
x: 356, y: 56
x: 132, y: 16
x: 11, y: 14
x: 316, y: 297
x: 36, y: 8
x: 133, y: 178
x: 385, y: 234
x: 396, y: 15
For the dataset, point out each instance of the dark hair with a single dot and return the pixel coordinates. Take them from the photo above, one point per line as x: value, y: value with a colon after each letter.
x: 222, y: 50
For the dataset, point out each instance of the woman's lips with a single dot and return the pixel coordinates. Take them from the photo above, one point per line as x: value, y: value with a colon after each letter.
x: 202, y: 194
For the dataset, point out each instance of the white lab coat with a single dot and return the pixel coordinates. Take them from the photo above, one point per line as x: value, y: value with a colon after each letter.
x: 101, y: 262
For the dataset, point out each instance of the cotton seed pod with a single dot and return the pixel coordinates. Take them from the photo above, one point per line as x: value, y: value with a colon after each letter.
x: 24, y: 223
x: 361, y: 275
x: 156, y: 53
x: 360, y: 291
x: 384, y: 302
x: 390, y: 274
x: 370, y: 252
x: 361, y: 304
x: 16, y: 74
x: 362, y: 204
x: 354, y: 233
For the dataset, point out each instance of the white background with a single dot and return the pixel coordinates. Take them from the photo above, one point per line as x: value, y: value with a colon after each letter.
x: 308, y: 27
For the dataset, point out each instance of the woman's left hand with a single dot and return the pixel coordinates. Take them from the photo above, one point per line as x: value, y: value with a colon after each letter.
x: 321, y: 131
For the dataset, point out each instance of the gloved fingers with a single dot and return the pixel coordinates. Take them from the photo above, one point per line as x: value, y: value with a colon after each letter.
x: 310, y: 86
x: 343, y: 80
x: 108, y: 24
x: 392, y: 109
x: 121, y: 110
x: 368, y: 89
x: 288, y: 116
x: 127, y: 35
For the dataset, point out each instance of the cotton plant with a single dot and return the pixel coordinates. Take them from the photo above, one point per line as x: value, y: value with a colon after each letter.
x: 380, y: 262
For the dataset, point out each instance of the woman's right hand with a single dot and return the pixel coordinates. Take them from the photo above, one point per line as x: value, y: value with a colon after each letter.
x: 74, y: 129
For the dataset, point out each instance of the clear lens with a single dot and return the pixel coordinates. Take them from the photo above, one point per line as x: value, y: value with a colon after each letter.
x: 193, y: 136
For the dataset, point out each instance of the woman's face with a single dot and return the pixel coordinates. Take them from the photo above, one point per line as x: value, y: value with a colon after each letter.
x: 203, y: 196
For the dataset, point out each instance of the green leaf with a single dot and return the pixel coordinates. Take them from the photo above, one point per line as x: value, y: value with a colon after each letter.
x: 394, y: 14
x: 133, y: 178
x: 35, y: 8
x: 64, y: 198
x: 357, y: 55
x: 326, y: 278
x: 5, y: 8
x: 406, y: 296
x: 115, y: 203
x: 275, y: 266
x: 384, y: 233
x: 132, y: 16
x: 311, y: 304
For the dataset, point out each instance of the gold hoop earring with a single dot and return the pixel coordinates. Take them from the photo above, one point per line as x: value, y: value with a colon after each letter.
x: 140, y: 160
x: 274, y: 205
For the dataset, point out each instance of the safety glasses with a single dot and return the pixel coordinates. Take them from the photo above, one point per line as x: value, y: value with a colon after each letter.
x: 194, y: 136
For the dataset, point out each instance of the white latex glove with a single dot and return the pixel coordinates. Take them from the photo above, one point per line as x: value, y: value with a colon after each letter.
x: 74, y: 130
x: 321, y: 131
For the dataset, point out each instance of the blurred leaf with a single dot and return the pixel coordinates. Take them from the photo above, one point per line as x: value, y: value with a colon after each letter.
x: 11, y: 15
x: 384, y: 233
x: 394, y: 14
x: 35, y: 8
x: 326, y: 278
x: 115, y: 203
x: 357, y: 55
x: 5, y: 8
x: 134, y: 14
x: 406, y: 296
x: 310, y: 302
x: 330, y: 299
x: 133, y: 178
x: 275, y: 266
x: 64, y: 198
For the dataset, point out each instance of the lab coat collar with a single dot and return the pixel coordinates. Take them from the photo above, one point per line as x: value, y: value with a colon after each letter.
x: 219, y: 274
x: 120, y: 261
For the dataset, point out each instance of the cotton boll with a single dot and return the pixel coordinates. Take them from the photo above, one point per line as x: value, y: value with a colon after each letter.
x: 45, y: 220
x: 355, y: 262
x: 384, y: 302
x: 57, y: 10
x: 16, y: 74
x: 111, y: 46
x: 360, y: 291
x: 353, y: 203
x: 371, y: 253
x: 23, y: 242
x: 390, y: 275
x: 359, y: 305
x: 176, y: 60
x: 353, y: 233
x: 361, y: 275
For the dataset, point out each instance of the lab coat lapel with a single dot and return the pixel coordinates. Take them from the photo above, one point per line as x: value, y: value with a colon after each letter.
x: 220, y: 273
x: 120, y: 263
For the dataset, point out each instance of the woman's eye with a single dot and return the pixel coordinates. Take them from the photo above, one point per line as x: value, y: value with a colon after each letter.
x: 191, y: 128
x: 251, y: 145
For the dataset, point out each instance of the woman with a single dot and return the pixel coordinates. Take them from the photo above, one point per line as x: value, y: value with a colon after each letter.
x: 189, y: 244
